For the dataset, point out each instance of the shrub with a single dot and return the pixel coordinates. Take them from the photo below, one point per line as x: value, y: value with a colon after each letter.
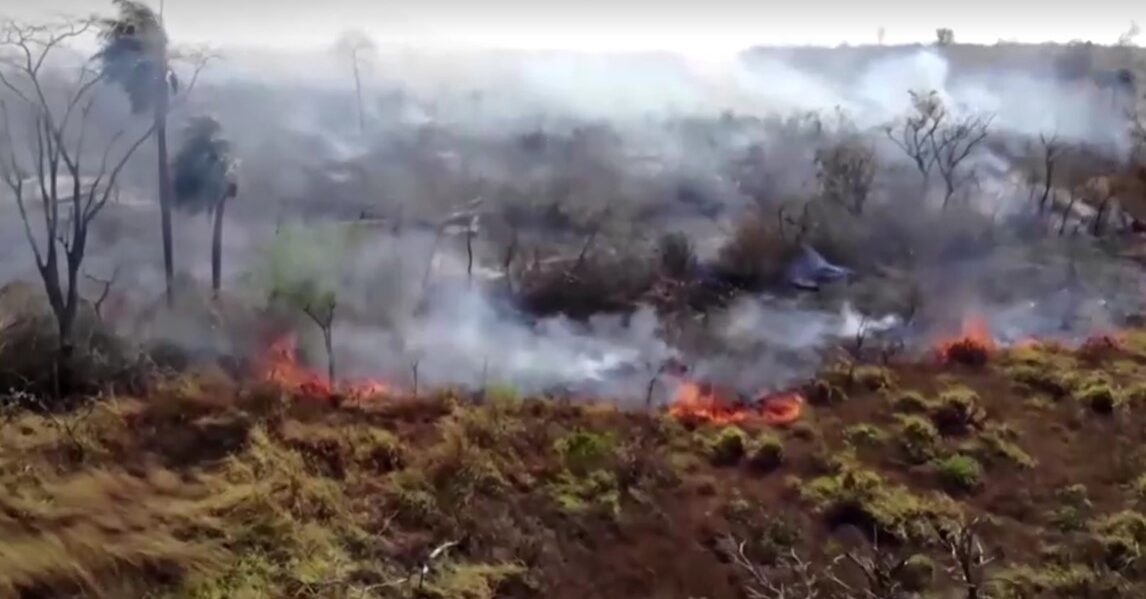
x: 910, y: 402
x: 957, y: 411
x: 768, y: 454
x: 755, y: 255
x: 918, y: 439
x: 1121, y: 536
x: 1100, y: 397
x: 874, y: 378
x: 824, y: 392
x: 1139, y: 488
x: 864, y: 435
x: 860, y: 497
x: 583, y: 451
x: 917, y: 573
x: 960, y: 473
x: 1073, y: 511
x: 729, y: 447
x: 997, y: 443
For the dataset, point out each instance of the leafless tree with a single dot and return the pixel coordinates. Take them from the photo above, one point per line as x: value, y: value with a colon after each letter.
x: 915, y: 133
x: 356, y: 46
x: 47, y: 165
x: 944, y: 36
x: 969, y: 561
x: 791, y: 577
x: 1050, y: 151
x: 953, y: 144
x: 320, y: 310
x: 845, y: 171
x: 934, y: 138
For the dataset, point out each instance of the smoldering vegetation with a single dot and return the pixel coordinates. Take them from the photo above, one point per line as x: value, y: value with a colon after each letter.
x: 572, y: 223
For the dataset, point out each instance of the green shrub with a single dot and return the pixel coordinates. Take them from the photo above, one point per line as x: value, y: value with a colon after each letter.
x: 1100, y: 397
x: 910, y: 402
x: 864, y: 435
x: 1139, y: 488
x: 768, y: 454
x: 960, y: 473
x: 918, y: 439
x: 1121, y: 536
x: 957, y: 411
x: 861, y: 497
x: 583, y: 451
x: 729, y: 447
x: 996, y: 444
x: 824, y: 392
x: 874, y: 378
x: 1073, y: 511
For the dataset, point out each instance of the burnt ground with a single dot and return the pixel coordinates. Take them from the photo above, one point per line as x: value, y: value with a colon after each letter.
x: 208, y: 488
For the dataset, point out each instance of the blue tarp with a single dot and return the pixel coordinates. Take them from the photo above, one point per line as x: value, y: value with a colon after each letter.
x: 809, y: 270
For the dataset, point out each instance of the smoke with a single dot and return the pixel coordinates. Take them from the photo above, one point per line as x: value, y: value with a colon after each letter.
x: 655, y: 142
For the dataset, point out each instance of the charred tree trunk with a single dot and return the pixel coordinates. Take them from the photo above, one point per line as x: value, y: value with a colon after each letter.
x: 165, y: 186
x: 217, y: 250
x: 328, y: 342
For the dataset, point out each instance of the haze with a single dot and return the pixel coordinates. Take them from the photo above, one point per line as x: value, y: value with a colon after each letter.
x: 701, y: 28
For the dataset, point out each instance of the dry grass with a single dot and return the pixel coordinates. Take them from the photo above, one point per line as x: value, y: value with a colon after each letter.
x: 206, y: 490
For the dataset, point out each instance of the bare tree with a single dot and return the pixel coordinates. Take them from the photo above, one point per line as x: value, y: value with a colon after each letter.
x: 914, y: 135
x: 1051, y: 150
x: 969, y: 561
x: 934, y: 138
x: 49, y: 168
x: 356, y: 45
x: 944, y: 36
x: 791, y: 577
x: 845, y: 171
x: 953, y: 144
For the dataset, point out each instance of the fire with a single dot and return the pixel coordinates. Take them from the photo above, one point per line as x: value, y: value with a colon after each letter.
x: 973, y: 346
x: 704, y: 403
x: 279, y: 365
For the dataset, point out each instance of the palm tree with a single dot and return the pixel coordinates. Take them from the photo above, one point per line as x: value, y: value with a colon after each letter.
x: 205, y: 178
x: 133, y: 55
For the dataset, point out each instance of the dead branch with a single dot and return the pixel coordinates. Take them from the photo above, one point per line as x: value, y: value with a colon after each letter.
x: 969, y: 561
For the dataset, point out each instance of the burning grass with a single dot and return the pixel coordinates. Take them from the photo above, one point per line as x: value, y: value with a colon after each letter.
x: 209, y: 489
x: 702, y: 403
x: 973, y: 346
x: 278, y: 365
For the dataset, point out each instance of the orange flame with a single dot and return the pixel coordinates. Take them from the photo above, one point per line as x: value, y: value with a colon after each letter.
x: 279, y: 365
x: 703, y: 403
x: 973, y: 346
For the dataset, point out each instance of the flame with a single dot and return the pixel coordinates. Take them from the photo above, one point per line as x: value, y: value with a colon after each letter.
x: 974, y: 345
x: 279, y: 365
x: 704, y: 403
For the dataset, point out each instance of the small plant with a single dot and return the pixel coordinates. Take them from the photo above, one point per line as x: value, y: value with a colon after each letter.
x: 729, y: 447
x: 960, y: 473
x: 768, y: 454
x: 918, y: 439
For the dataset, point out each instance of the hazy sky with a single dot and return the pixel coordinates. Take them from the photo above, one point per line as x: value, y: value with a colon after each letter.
x: 698, y: 26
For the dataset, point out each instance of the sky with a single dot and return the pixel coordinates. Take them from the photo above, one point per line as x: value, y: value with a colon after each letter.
x: 706, y: 26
